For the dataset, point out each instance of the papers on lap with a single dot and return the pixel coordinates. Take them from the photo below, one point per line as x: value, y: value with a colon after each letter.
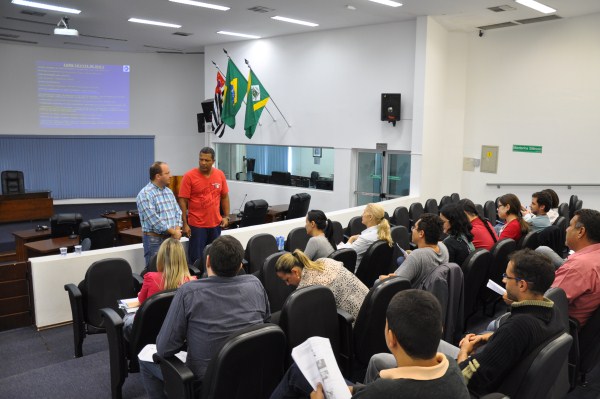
x: 130, y: 305
x: 147, y: 351
x: 316, y: 361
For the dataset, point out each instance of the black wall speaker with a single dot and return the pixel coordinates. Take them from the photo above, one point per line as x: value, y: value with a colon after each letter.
x: 390, y: 107
x: 200, y: 120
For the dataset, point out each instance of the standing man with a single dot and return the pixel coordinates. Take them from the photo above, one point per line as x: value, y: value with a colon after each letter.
x: 160, y: 215
x: 202, y: 196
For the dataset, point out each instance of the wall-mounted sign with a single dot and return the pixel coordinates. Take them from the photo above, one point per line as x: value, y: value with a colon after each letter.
x: 527, y: 148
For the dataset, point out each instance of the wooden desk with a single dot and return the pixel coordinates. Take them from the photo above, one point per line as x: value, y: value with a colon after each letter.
x: 277, y: 213
x: 23, y: 237
x: 50, y: 246
x: 122, y: 219
x: 130, y: 236
x: 26, y: 206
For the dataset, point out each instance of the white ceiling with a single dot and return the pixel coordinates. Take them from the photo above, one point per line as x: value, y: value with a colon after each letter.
x: 107, y: 20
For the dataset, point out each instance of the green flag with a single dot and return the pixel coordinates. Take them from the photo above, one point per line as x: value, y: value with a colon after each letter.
x: 235, y: 84
x: 256, y: 101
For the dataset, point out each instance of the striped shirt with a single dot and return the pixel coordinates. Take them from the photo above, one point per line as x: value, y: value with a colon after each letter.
x: 158, y: 209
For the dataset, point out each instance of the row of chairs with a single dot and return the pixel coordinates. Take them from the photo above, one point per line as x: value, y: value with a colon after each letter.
x: 97, y: 233
x: 255, y: 211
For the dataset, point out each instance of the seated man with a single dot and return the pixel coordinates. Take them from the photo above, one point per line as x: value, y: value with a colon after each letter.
x: 532, y: 321
x: 206, y: 311
x: 430, y: 252
x: 579, y: 275
x: 537, y: 217
x: 412, y: 333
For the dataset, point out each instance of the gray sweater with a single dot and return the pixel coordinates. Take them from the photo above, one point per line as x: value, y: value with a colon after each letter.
x: 420, y: 263
x: 318, y: 247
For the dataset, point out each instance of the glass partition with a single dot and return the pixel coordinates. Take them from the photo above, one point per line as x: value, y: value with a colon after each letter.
x: 287, y: 166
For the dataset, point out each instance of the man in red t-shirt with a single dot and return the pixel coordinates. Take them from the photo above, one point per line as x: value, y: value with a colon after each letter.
x: 203, y: 195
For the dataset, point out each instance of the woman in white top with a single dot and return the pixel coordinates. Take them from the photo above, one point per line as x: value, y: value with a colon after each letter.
x: 320, y: 230
x: 378, y: 228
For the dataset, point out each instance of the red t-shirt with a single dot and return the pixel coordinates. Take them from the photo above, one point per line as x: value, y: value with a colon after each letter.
x: 481, y: 236
x: 512, y: 230
x: 204, y: 197
x: 152, y: 284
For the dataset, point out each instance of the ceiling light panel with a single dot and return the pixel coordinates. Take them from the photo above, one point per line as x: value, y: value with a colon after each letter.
x: 388, y: 3
x: 536, y: 6
x: 201, y: 4
x: 45, y: 6
x: 223, y: 32
x: 294, y: 21
x: 157, y: 23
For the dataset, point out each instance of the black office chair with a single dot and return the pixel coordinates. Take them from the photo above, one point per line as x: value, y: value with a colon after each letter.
x: 415, y: 210
x: 65, y: 224
x: 367, y: 336
x: 479, y: 209
x: 277, y: 290
x: 500, y: 252
x: 401, y: 237
x: 535, y: 375
x: 347, y: 256
x: 553, y: 237
x: 375, y: 262
x: 249, y: 365
x: 258, y: 248
x: 146, y: 326
x: 445, y: 201
x: 530, y: 241
x: 455, y: 197
x: 589, y: 345
x: 298, y: 207
x: 296, y: 239
x: 431, y: 206
x: 106, y: 281
x: 13, y: 182
x: 355, y: 225
x: 255, y: 212
x: 572, y: 205
x: 338, y: 231
x: 475, y: 272
x: 314, y: 176
x: 563, y: 210
x: 281, y: 178
x: 489, y: 211
x: 401, y: 217
x: 101, y: 232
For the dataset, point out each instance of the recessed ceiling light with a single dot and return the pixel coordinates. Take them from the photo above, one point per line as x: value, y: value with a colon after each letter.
x: 148, y: 22
x: 387, y: 3
x: 536, y: 6
x: 45, y: 6
x: 200, y: 4
x: 294, y: 21
x: 351, y: 8
x: 222, y: 32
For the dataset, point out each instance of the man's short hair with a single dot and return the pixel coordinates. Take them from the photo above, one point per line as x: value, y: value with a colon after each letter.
x: 155, y: 169
x: 533, y: 267
x: 543, y: 199
x: 432, y: 226
x: 415, y: 319
x: 590, y: 219
x: 208, y: 150
x: 226, y: 254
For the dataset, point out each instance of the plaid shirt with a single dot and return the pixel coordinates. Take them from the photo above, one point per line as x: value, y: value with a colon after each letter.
x: 158, y: 209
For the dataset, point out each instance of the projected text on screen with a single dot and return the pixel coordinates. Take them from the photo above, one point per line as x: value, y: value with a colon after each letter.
x: 83, y: 96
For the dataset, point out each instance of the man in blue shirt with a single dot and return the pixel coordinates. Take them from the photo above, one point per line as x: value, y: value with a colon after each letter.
x: 160, y: 215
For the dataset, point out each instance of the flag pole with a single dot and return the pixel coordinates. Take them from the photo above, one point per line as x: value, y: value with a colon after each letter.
x: 271, y: 98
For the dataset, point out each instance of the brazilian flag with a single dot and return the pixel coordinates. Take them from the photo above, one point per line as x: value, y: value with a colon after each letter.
x: 255, y: 103
x: 233, y: 94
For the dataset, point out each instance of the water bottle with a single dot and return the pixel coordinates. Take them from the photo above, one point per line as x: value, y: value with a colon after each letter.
x: 280, y: 242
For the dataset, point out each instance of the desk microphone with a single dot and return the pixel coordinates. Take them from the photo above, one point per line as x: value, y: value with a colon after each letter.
x: 240, y: 214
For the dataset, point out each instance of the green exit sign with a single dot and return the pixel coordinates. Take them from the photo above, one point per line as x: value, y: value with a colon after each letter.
x: 527, y: 148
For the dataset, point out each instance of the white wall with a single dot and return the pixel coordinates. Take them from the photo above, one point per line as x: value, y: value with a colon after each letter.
x: 536, y: 84
x: 166, y: 92
x: 328, y: 85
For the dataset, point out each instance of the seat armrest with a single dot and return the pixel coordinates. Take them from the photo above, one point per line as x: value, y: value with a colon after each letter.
x: 137, y: 282
x: 194, y: 271
x: 76, y: 301
x: 113, y: 323
x: 179, y: 379
x: 346, y: 354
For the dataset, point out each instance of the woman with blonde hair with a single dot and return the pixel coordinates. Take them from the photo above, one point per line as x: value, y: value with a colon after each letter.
x: 298, y: 270
x: 172, y: 271
x: 378, y: 228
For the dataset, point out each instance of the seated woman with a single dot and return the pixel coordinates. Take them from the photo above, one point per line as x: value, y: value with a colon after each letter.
x: 484, y: 235
x: 458, y: 228
x: 509, y: 209
x: 172, y: 272
x: 320, y: 230
x: 297, y: 270
x: 378, y: 228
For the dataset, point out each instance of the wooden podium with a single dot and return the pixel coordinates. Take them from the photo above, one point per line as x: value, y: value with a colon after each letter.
x: 32, y: 205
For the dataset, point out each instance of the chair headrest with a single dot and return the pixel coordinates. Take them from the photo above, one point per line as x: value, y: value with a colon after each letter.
x: 99, y: 224
x: 66, y: 218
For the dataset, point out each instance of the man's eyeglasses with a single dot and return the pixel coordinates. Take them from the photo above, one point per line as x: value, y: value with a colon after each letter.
x: 505, y: 276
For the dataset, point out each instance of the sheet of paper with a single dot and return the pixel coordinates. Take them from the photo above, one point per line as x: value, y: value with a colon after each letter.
x: 150, y: 349
x: 315, y: 359
x: 130, y: 305
x: 495, y: 287
x: 404, y: 253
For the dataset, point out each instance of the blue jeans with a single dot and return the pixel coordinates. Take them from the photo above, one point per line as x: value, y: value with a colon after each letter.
x: 153, y: 380
x: 201, y: 237
x: 151, y: 246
